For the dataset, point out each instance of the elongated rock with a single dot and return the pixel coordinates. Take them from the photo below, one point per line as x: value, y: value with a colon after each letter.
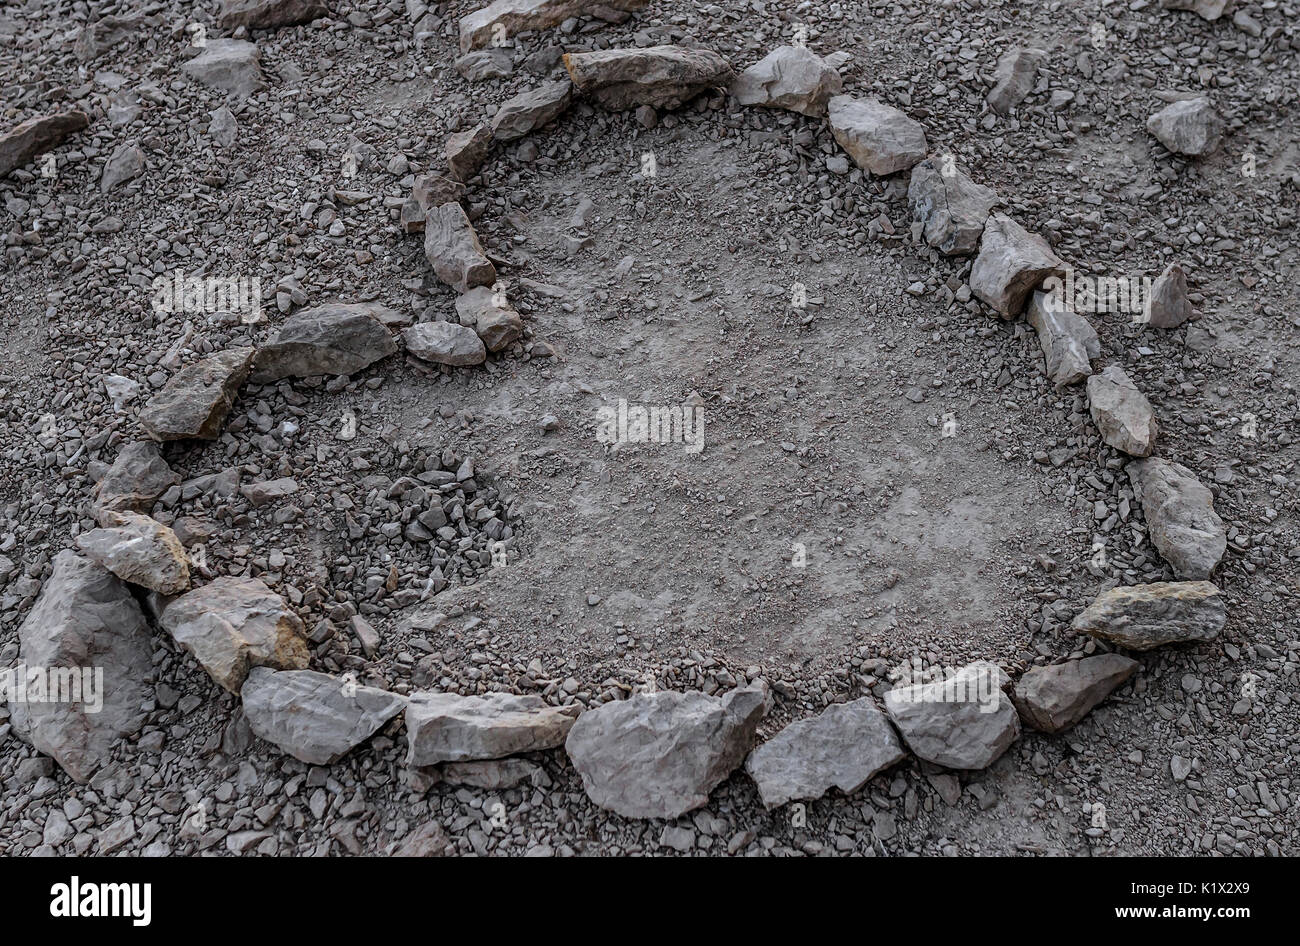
x: 453, y: 249
x: 445, y: 343
x: 231, y: 625
x: 528, y: 111
x: 1052, y: 699
x: 951, y: 208
x: 1180, y: 514
x: 230, y: 65
x: 1169, y: 306
x: 1121, y: 412
x: 659, y: 76
x: 1068, y: 340
x: 139, y: 550
x: 333, y: 339
x: 1012, y: 263
x: 138, y: 476
x: 789, y: 77
x: 496, y: 23
x: 312, y: 716
x: 88, y: 639
x: 21, y: 144
x: 1014, y: 78
x: 1142, y: 617
x: 841, y: 748
x: 467, y: 150
x: 878, y: 137
x: 195, y: 401
x: 963, y: 722
x: 448, y: 727
x: 1191, y: 127
x: 659, y: 755
x: 269, y: 14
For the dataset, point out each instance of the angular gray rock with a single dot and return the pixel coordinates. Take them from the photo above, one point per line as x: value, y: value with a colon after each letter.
x: 138, y: 476
x: 1014, y: 78
x: 269, y: 14
x: 467, y: 150
x: 1168, y: 306
x: 497, y: 22
x: 223, y: 129
x: 491, y: 317
x: 314, y: 717
x: 528, y: 111
x: 498, y: 62
x: 1052, y: 699
x: 99, y: 37
x: 1121, y: 412
x: 333, y: 339
x: 842, y: 748
x: 448, y: 727
x: 453, y: 249
x: 962, y: 722
x: 195, y: 401
x: 445, y: 343
x: 139, y: 550
x: 1180, y: 516
x: 660, y: 76
x: 951, y: 208
x: 1190, y: 126
x: 878, y: 137
x: 231, y: 625
x: 789, y: 77
x: 659, y: 755
x: 85, y: 620
x: 1207, y: 9
x: 1141, y: 617
x: 1068, y: 340
x: 229, y: 65
x: 1012, y: 263
x: 431, y: 191
x: 21, y: 144
x: 125, y: 163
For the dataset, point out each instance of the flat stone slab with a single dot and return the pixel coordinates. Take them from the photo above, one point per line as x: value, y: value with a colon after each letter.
x: 497, y: 22
x: 23, y: 143
x: 229, y: 65
x: 1142, y: 617
x: 1014, y: 77
x: 1179, y: 511
x: 963, y: 722
x: 1189, y: 127
x: 448, y: 727
x: 445, y: 343
x: 1068, y: 340
x: 139, y: 550
x: 659, y: 76
x: 951, y: 208
x: 195, y: 401
x: 528, y: 111
x: 333, y: 339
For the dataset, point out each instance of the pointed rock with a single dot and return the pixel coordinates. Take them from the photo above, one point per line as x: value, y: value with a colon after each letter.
x: 789, y: 77
x: 84, y: 623
x: 878, y: 137
x: 660, y: 76
x: 312, y: 716
x: 125, y: 163
x: 963, y: 722
x: 1068, y: 340
x: 453, y: 249
x: 223, y: 129
x: 496, y: 23
x: 467, y: 150
x: 229, y: 65
x: 136, y: 479
x: 445, y: 343
x: 1142, y: 617
x: 231, y: 625
x: 1169, y: 306
x: 1014, y: 77
x: 447, y: 727
x: 842, y: 748
x: 1180, y: 515
x: 659, y: 755
x: 1052, y: 699
x: 951, y: 208
x: 531, y: 110
x: 333, y: 339
x: 269, y: 14
x: 195, y: 401
x: 1122, y: 413
x: 139, y: 550
x: 21, y: 144
x: 1191, y: 127
x: 491, y: 317
x: 1011, y: 264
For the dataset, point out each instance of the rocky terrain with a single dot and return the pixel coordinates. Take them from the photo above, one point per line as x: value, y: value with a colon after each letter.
x: 642, y: 427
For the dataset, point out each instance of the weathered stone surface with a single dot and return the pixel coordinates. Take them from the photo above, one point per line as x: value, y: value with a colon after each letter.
x: 262, y: 492
x: 136, y: 479
x: 195, y: 401
x: 445, y: 343
x: 661, y: 76
x: 497, y: 62
x: 1012, y: 263
x: 490, y: 774
x: 496, y: 23
x: 431, y: 191
x: 951, y: 208
x: 21, y: 144
x: 312, y: 716
x: 878, y: 137
x: 1180, y: 515
x: 86, y: 618
x: 125, y: 163
x: 1191, y: 127
x: 1014, y: 78
x: 659, y: 755
x: 1052, y: 699
x: 1169, y: 306
x: 453, y: 249
x: 1068, y: 340
x: 491, y: 317
x: 447, y: 727
x: 1141, y: 617
x: 528, y: 111
x: 231, y: 625
x: 790, y: 77
x: 230, y: 65
x: 1121, y: 412
x: 841, y: 748
x: 223, y: 129
x: 964, y: 722
x: 139, y: 550
x: 467, y: 150
x: 1208, y: 9
x: 98, y: 37
x: 428, y: 840
x: 269, y: 14
x: 333, y: 339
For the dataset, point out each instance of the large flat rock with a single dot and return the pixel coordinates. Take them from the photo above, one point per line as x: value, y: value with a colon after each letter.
x: 1142, y: 617
x: 963, y: 722
x: 1179, y: 511
x: 334, y: 339
x: 448, y: 727
x: 660, y: 76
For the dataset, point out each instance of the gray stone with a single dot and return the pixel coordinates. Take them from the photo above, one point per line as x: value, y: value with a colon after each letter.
x: 483, y: 64
x: 136, y: 479
x: 445, y: 343
x: 1169, y: 306
x: 1207, y: 9
x: 269, y: 14
x: 122, y: 165
x: 1068, y: 340
x: 1121, y: 412
x: 262, y: 492
x: 453, y: 249
x: 491, y: 317
x: 333, y: 339
x: 1141, y: 617
x: 98, y: 37
x: 195, y: 401
x: 789, y: 77
x: 951, y: 208
x: 962, y: 722
x: 528, y: 111
x: 139, y: 550
x: 229, y: 65
x: 223, y: 129
x: 1052, y: 699
x: 878, y: 137
x: 1012, y: 263
x: 497, y: 22
x: 447, y: 727
x: 660, y: 76
x: 1014, y: 78
x: 1191, y: 127
x: 1180, y: 515
x: 467, y: 150
x: 490, y: 774
x: 21, y: 144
